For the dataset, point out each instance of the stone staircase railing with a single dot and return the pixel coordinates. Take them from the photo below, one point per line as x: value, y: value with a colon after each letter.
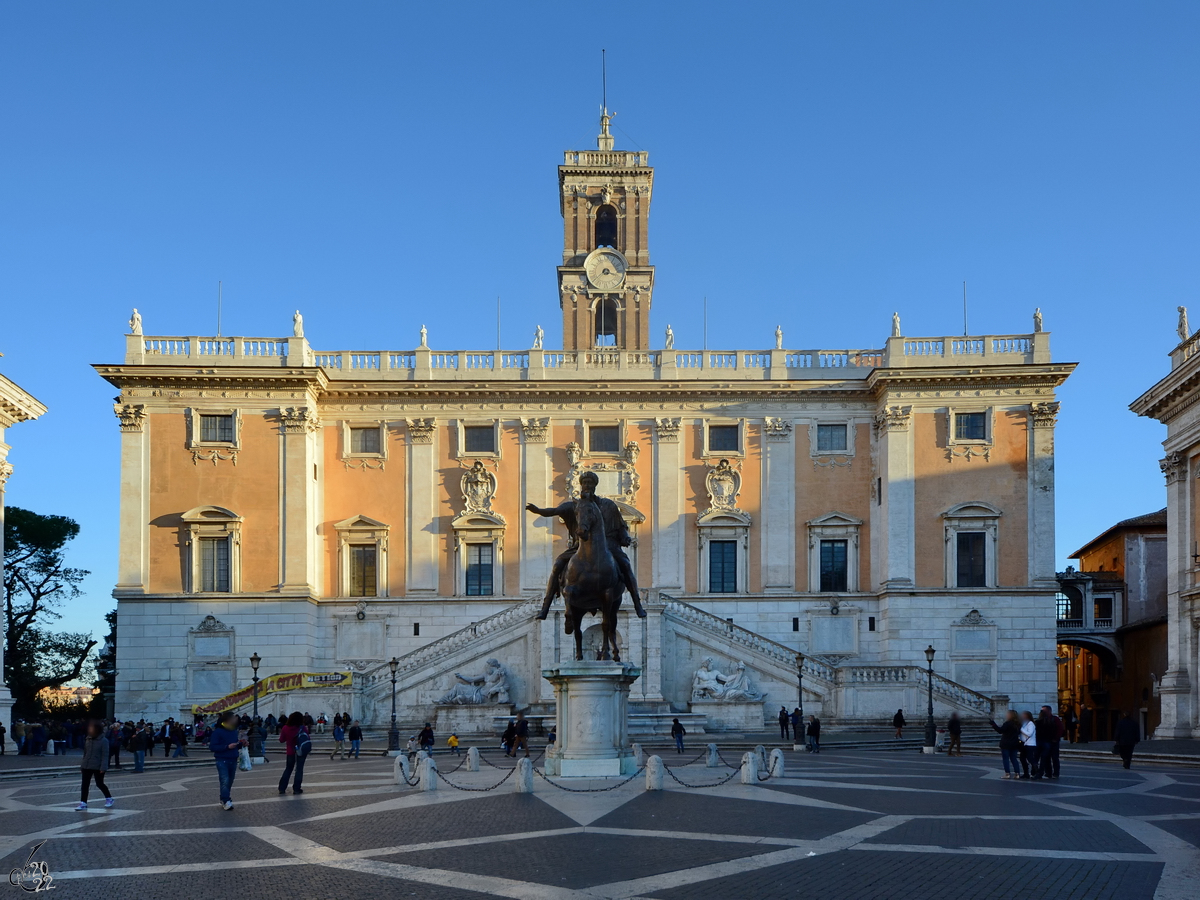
x: 814, y: 666
x: 943, y: 687
x: 416, y: 661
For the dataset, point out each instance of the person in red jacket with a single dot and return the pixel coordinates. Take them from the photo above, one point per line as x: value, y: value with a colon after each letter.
x: 287, y: 736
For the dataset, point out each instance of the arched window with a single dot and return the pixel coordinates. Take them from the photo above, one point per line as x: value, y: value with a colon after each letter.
x: 606, y: 226
x: 606, y: 323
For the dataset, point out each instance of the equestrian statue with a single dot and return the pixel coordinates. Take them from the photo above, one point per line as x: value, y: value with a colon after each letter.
x: 593, y: 572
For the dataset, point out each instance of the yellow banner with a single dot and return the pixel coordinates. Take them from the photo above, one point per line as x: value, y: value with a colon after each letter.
x: 272, y: 684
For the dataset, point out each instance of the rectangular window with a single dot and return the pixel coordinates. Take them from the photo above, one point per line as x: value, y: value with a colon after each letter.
x: 722, y: 567
x: 362, y: 570
x: 214, y: 564
x: 970, y: 426
x: 479, y: 438
x: 216, y: 429
x: 479, y: 570
x: 833, y: 565
x: 831, y: 438
x: 870, y: 623
x: 364, y: 440
x: 723, y: 439
x: 604, y: 439
x: 795, y: 623
x: 971, y: 559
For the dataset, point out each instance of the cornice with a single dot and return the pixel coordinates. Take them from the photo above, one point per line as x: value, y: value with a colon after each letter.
x: 17, y: 404
x: 1172, y: 395
x: 222, y: 378
x: 996, y: 377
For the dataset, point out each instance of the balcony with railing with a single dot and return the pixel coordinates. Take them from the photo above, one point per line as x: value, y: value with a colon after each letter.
x: 424, y: 363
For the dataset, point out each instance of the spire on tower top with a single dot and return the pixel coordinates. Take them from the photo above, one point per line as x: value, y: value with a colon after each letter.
x: 604, y: 140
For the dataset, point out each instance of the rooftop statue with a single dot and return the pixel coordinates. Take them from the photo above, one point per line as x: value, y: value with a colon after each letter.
x: 1182, y: 328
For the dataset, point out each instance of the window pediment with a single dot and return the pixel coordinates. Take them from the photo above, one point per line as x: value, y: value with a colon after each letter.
x: 835, y: 520
x: 201, y: 514
x: 975, y: 509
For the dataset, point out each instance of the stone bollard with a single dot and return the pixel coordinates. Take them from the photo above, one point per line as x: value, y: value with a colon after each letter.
x: 654, y: 773
x: 524, y: 776
x: 775, y: 769
x: 421, y: 754
x: 714, y: 758
x: 750, y: 768
x: 401, y: 770
x: 428, y: 774
x: 639, y: 756
x: 472, y: 759
x: 761, y: 752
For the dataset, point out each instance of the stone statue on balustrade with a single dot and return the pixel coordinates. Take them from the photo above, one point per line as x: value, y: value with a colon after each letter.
x: 895, y: 324
x: 778, y: 337
x: 711, y: 684
x: 1037, y: 319
x: 538, y: 337
x: 297, y: 324
x: 489, y: 688
x: 1182, y: 328
x: 670, y: 339
x: 135, y: 322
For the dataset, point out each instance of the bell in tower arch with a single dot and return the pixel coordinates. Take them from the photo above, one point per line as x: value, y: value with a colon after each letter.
x: 606, y: 226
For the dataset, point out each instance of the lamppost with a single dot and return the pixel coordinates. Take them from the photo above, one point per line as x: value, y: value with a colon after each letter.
x: 930, y: 727
x: 796, y: 739
x: 394, y: 732
x: 255, y: 729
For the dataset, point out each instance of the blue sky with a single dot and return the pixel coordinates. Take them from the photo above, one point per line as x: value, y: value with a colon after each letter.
x: 384, y: 165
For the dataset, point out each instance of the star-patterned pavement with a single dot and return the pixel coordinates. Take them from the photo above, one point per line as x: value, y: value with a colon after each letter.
x: 839, y: 825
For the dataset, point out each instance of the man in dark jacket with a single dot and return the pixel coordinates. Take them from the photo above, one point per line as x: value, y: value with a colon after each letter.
x: 1127, y: 736
x: 784, y: 723
x: 1045, y: 731
x: 1049, y: 754
x: 814, y: 734
x: 954, y: 729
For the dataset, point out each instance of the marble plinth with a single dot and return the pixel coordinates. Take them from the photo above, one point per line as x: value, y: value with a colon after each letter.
x: 460, y: 719
x: 592, y: 705
x: 736, y: 716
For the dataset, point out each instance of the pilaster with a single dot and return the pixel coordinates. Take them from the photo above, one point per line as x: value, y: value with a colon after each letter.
x: 897, y: 547
x: 297, y: 500
x: 779, y: 506
x: 422, y: 569
x: 133, y: 558
x: 1040, y: 487
x: 1178, y: 684
x: 537, y: 536
x: 668, y: 506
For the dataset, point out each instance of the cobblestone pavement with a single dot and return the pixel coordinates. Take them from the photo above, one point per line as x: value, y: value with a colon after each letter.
x: 849, y: 824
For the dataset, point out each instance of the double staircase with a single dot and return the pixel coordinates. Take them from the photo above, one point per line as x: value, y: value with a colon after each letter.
x: 825, y: 681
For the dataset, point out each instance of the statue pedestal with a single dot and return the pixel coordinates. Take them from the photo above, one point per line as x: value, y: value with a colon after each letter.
x: 592, y: 719
x: 733, y: 715
x: 469, y: 718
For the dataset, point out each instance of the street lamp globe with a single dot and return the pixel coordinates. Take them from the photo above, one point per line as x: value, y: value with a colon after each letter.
x: 930, y: 653
x: 254, y: 662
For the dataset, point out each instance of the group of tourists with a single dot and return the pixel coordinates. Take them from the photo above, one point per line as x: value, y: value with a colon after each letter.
x: 793, y: 727
x: 1029, y: 746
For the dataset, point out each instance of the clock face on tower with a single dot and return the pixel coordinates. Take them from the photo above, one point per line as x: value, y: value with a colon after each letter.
x: 605, y: 268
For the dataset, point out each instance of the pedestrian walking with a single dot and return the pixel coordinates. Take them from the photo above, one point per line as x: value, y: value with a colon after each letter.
x: 898, y: 723
x: 1029, y: 758
x: 19, y: 735
x: 784, y: 722
x: 295, y: 739
x: 813, y: 734
x: 356, y: 739
x: 339, y: 741
x: 94, y: 765
x: 677, y: 732
x: 1054, y: 731
x: 521, y: 735
x: 138, y: 741
x: 506, y: 739
x: 3, y: 732
x: 225, y: 744
x: 452, y: 743
x: 425, y: 739
x: 1127, y: 737
x: 114, y: 746
x: 797, y: 720
x: 1070, y: 722
x: 954, y: 729
x: 179, y: 739
x: 1010, y: 743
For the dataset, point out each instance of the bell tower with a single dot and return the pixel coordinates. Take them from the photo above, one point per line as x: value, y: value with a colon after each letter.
x: 605, y: 282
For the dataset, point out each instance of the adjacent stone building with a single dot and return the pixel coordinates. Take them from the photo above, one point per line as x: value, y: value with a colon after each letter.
x: 331, y: 509
x: 16, y: 405
x: 1173, y: 401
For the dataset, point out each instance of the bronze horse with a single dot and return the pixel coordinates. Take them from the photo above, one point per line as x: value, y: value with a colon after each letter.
x: 592, y: 582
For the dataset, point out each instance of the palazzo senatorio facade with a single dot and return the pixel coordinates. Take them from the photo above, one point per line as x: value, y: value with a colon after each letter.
x: 329, y: 510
